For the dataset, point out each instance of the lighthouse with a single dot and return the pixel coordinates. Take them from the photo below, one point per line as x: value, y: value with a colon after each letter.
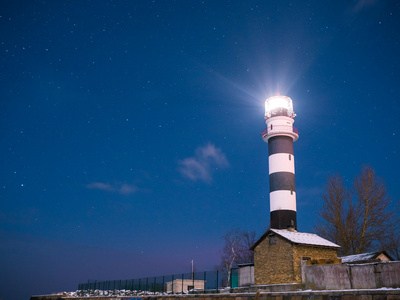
x: 280, y: 135
x: 272, y: 265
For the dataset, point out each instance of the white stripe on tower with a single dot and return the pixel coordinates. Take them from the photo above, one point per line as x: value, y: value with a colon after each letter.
x: 280, y: 135
x: 281, y: 162
x: 282, y: 200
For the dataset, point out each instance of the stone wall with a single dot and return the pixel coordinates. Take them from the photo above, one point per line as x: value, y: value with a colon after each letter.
x: 363, y: 276
x: 314, y: 253
x: 281, y: 262
x: 327, y: 277
x: 273, y: 262
x: 380, y: 275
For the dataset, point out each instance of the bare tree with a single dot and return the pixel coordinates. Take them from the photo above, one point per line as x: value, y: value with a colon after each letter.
x: 356, y: 219
x: 338, y: 213
x: 236, y: 250
x: 373, y: 203
x: 248, y: 240
x: 230, y: 252
x: 392, y: 244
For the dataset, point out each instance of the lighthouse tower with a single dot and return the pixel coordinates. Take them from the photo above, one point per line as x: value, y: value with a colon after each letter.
x: 280, y: 135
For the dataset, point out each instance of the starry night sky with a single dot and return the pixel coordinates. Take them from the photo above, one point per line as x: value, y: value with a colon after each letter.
x: 130, y: 130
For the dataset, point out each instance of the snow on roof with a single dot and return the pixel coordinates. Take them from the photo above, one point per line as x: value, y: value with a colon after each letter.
x: 360, y: 257
x: 304, y: 238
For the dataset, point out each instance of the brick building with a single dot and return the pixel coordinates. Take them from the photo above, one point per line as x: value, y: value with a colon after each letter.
x: 280, y: 253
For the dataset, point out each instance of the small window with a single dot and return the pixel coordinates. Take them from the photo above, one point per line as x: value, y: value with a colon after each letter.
x: 290, y: 156
x: 291, y: 191
x: 272, y: 126
x: 272, y: 240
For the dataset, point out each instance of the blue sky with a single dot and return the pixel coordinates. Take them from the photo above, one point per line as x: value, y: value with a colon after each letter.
x: 130, y: 131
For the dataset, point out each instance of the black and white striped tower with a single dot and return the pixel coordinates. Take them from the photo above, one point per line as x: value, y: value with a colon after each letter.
x: 280, y: 135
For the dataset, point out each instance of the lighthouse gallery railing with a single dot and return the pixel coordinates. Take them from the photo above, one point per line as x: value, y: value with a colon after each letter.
x: 277, y: 128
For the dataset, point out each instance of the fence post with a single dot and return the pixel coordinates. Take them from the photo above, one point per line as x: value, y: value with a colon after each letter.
x: 205, y: 280
x: 182, y: 285
x: 217, y: 281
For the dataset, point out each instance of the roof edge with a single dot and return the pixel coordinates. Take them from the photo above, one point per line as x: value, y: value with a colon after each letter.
x: 260, y: 239
x: 275, y: 232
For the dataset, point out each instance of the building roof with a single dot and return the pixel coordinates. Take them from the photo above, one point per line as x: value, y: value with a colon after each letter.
x: 245, y: 265
x: 364, y: 257
x: 302, y: 238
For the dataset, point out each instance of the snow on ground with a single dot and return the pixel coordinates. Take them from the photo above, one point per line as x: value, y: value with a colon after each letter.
x: 91, y: 293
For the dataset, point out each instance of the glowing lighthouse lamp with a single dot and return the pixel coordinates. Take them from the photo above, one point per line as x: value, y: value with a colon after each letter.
x: 280, y: 135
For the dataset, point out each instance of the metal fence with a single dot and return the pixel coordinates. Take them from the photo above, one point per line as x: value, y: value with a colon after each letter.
x: 197, y: 282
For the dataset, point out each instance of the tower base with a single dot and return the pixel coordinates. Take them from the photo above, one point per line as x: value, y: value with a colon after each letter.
x: 283, y: 219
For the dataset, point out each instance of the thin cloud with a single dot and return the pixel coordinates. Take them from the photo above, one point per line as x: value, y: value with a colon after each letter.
x: 119, y: 188
x: 194, y: 170
x: 100, y: 186
x: 361, y: 4
x: 206, y: 160
x: 127, y: 189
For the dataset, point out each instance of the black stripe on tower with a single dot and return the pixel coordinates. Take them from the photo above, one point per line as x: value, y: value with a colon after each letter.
x: 282, y: 219
x: 281, y: 181
x: 280, y: 144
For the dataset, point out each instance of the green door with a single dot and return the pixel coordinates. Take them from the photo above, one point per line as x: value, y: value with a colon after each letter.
x: 234, y: 278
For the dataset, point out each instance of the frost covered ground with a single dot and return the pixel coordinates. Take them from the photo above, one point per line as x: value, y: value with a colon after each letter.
x: 139, y: 294
x: 91, y: 293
